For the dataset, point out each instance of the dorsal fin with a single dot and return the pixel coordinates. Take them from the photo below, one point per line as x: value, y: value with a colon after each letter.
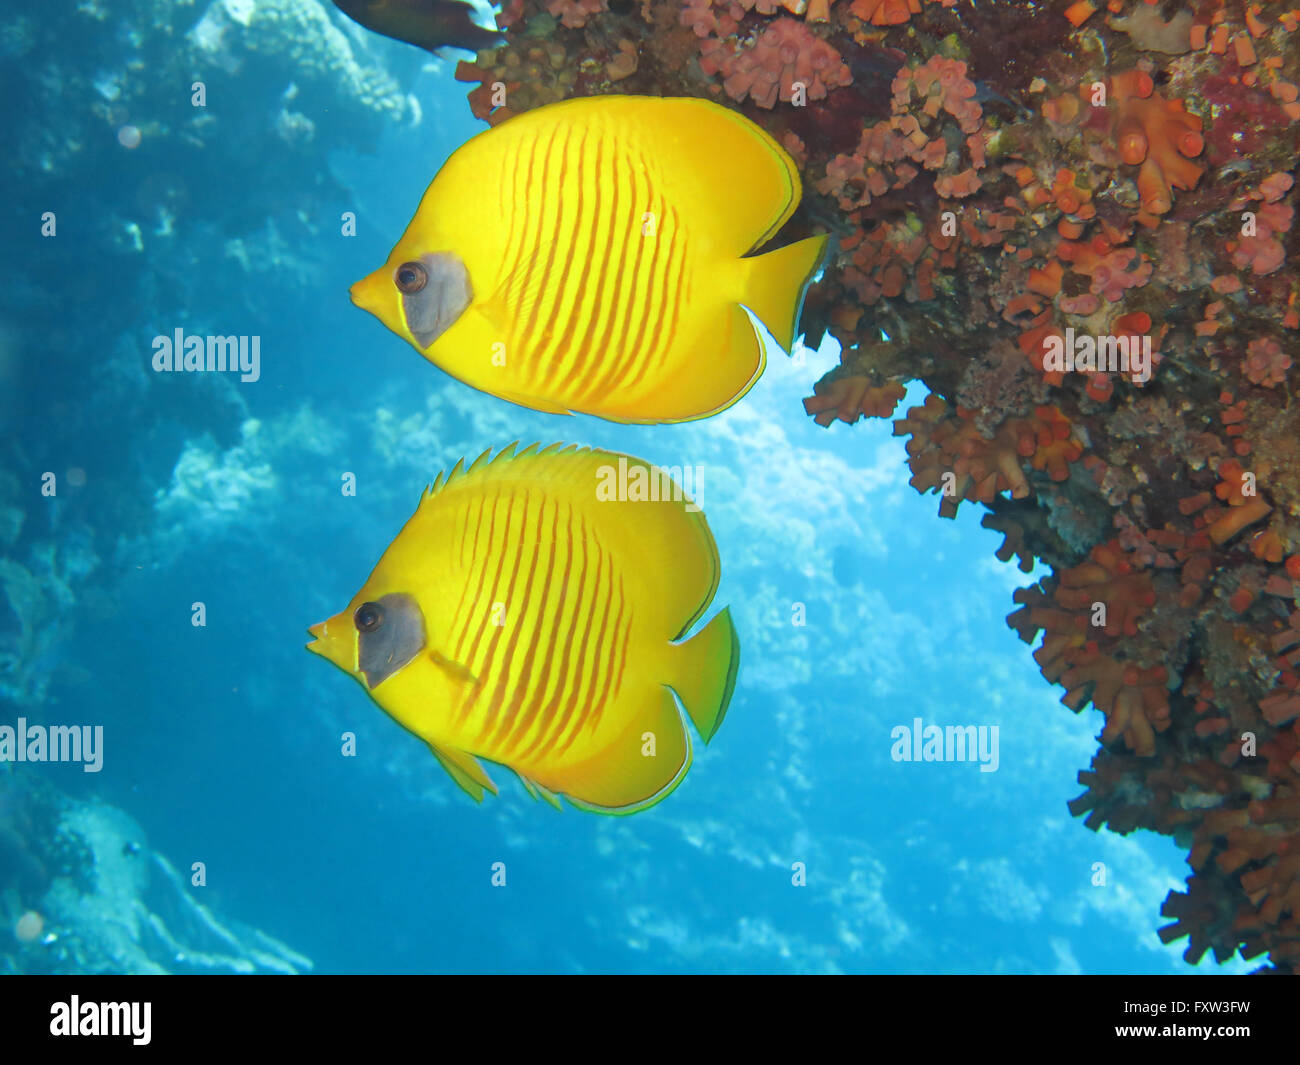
x: 665, y: 533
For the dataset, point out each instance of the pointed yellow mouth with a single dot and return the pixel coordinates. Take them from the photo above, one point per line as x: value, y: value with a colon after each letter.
x: 335, y: 640
x: 369, y: 292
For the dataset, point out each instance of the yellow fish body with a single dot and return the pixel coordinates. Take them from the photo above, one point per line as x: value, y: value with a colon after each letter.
x: 590, y: 255
x: 529, y: 616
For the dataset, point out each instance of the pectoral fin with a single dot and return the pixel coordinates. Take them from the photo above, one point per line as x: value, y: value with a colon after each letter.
x: 513, y: 305
x: 454, y: 670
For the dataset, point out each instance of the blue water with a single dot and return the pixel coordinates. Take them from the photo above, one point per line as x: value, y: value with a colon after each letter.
x: 224, y: 742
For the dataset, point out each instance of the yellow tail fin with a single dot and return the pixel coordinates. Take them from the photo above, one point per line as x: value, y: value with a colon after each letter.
x: 705, y: 673
x: 775, y: 284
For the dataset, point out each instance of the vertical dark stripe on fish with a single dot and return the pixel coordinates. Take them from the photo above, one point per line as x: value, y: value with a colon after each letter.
x: 571, y: 644
x: 553, y: 241
x: 471, y: 657
x: 622, y: 631
x: 568, y: 228
x: 457, y: 620
x: 649, y: 311
x: 598, y: 674
x: 625, y: 643
x: 491, y: 668
x: 592, y: 295
x: 503, y: 670
x: 664, y: 325
x: 604, y: 294
x: 525, y: 721
x: 582, y: 288
x: 539, y: 616
x: 624, y: 301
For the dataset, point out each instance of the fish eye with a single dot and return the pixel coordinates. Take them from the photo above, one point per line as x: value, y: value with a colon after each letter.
x: 369, y: 616
x: 411, y: 277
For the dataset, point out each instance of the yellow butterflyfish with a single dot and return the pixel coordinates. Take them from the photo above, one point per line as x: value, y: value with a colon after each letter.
x: 532, y: 613
x: 594, y: 255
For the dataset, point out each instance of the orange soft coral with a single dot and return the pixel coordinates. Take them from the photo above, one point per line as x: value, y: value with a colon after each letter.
x: 1102, y: 599
x: 928, y: 100
x: 574, y: 13
x: 1156, y: 135
x: 786, y: 56
x: 1111, y: 271
x: 948, y: 452
x: 885, y: 12
x: 1134, y: 701
x: 1109, y: 579
x: 1266, y: 363
x: 850, y: 398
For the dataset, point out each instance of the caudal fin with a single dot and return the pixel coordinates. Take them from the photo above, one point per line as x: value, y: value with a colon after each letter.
x: 776, y: 282
x: 705, y: 673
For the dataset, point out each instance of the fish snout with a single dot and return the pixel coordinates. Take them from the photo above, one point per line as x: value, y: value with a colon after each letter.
x: 336, y: 640
x: 369, y: 293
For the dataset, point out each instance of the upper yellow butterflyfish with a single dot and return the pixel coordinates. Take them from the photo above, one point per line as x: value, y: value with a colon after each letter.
x: 531, y: 613
x: 593, y: 255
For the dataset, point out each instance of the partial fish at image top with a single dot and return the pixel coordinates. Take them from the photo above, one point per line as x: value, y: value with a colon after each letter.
x: 593, y: 256
x: 429, y: 24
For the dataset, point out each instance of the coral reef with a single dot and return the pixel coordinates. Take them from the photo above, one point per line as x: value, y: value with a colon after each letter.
x: 784, y: 58
x: 91, y: 897
x: 1003, y: 181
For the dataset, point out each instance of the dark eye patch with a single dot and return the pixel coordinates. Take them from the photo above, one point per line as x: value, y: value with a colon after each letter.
x: 386, y: 649
x: 433, y: 309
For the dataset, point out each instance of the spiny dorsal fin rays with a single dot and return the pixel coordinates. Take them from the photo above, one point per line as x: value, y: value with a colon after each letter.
x: 500, y: 464
x: 483, y: 458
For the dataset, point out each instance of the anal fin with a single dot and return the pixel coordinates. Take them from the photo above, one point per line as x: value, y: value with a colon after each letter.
x: 465, y: 770
x: 537, y: 791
